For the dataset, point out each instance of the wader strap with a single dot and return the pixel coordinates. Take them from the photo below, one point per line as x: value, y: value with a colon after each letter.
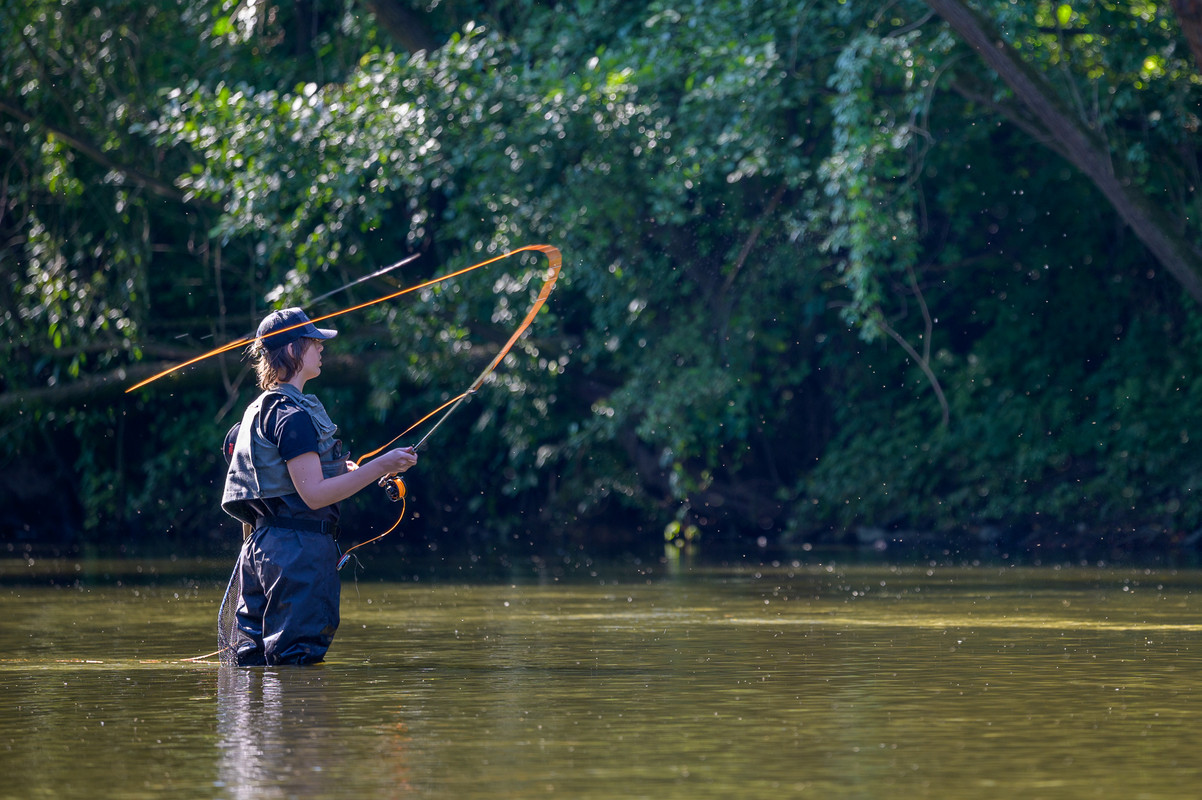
x: 292, y: 524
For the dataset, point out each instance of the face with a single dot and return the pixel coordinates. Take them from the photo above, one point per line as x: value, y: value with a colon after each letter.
x: 311, y: 360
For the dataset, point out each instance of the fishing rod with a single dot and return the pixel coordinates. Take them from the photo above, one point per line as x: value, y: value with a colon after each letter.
x: 357, y: 281
x: 246, y: 340
x: 392, y: 484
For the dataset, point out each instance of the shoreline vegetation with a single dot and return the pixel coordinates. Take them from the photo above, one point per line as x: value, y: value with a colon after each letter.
x: 530, y: 558
x: 906, y: 292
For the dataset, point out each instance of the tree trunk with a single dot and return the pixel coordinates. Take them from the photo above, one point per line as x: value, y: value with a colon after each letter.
x: 403, y: 24
x: 1189, y: 16
x: 1079, y: 144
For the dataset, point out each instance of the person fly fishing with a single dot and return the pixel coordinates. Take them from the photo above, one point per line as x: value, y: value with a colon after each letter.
x: 287, y: 474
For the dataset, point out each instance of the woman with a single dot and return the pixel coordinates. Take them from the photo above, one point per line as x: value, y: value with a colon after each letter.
x: 287, y: 475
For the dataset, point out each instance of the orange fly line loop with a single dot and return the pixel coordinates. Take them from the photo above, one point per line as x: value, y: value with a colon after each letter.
x: 552, y: 253
x: 393, y: 483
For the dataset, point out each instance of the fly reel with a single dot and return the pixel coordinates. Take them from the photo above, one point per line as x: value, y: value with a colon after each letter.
x: 393, y: 486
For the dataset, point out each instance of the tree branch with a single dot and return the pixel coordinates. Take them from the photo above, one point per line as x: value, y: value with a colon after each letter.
x: 922, y: 363
x: 1081, y: 146
x: 1014, y: 115
x: 90, y: 387
x: 751, y: 239
x: 131, y: 174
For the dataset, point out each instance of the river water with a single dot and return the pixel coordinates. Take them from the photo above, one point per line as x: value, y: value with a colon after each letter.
x: 796, y: 679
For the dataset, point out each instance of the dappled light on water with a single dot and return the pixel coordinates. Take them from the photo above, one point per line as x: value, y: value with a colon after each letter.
x: 765, y: 682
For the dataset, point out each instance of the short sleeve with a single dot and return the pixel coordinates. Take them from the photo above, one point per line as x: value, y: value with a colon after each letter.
x: 289, y: 427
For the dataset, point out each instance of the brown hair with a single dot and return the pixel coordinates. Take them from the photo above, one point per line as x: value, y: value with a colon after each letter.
x: 273, y: 367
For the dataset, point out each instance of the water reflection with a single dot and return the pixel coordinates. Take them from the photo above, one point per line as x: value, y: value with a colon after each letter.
x: 825, y: 680
x: 285, y: 733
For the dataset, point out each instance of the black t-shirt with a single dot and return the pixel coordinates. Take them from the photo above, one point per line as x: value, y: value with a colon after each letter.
x: 289, y: 427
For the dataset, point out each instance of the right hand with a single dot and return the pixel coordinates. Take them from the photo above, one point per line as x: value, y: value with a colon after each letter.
x: 396, y: 461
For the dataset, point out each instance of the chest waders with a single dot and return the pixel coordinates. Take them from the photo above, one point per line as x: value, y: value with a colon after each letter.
x: 282, y: 604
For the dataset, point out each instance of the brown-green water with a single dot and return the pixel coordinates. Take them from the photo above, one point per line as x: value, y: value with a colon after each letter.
x: 803, y: 680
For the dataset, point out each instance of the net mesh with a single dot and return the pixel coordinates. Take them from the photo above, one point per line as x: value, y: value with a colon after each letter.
x: 227, y: 615
x: 227, y: 619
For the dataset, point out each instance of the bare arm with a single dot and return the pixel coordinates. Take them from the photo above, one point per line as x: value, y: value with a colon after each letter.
x: 319, y: 491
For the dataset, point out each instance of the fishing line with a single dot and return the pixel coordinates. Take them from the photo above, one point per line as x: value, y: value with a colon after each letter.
x: 225, y: 348
x: 552, y: 254
x: 392, y: 484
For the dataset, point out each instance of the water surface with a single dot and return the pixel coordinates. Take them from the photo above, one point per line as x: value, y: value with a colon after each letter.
x: 794, y: 680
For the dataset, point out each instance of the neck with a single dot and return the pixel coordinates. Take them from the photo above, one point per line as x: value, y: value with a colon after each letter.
x: 297, y: 382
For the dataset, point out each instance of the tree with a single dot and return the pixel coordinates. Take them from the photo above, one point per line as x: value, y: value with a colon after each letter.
x: 860, y: 294
x: 1051, y: 122
x: 1189, y: 14
x: 1119, y: 67
x: 403, y: 24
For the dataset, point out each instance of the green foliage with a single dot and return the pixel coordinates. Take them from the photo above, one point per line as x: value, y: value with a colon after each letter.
x: 747, y: 194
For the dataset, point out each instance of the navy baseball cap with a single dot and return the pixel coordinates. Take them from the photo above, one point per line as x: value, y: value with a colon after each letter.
x: 292, y: 324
